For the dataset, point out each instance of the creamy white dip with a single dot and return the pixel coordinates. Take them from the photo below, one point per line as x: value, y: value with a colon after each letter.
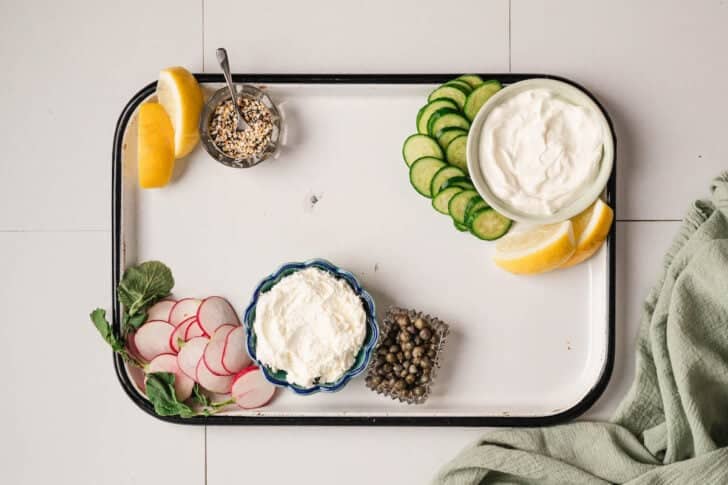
x: 311, y: 325
x: 539, y: 151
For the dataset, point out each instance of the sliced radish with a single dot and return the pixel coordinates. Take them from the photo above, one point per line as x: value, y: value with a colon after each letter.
x: 132, y: 348
x: 160, y: 310
x: 168, y: 363
x: 215, y: 312
x: 191, y: 354
x: 152, y: 339
x: 183, y: 309
x: 138, y: 377
x: 250, y: 389
x: 179, y: 333
x: 213, y: 353
x: 194, y: 330
x: 211, y: 382
x: 234, y: 356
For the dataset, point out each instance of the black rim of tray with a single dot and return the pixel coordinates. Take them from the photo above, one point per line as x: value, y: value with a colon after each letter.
x: 116, y: 247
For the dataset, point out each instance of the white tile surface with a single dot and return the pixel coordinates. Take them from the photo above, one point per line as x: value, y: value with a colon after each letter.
x: 358, y: 37
x: 68, y: 69
x: 66, y: 418
x: 661, y: 69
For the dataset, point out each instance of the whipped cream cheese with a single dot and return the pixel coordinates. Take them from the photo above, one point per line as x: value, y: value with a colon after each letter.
x: 539, y: 151
x: 311, y: 325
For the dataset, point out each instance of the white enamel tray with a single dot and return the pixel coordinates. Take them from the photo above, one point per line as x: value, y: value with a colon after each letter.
x: 521, y: 350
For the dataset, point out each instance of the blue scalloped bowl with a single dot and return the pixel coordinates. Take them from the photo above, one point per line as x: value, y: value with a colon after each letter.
x: 362, y: 358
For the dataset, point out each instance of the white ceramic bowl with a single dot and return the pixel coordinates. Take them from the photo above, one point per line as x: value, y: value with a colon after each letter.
x: 589, y: 194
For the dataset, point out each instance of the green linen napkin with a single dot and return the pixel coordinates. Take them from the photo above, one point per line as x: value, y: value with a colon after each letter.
x: 672, y: 427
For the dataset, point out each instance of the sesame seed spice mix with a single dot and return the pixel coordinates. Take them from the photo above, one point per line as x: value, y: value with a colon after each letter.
x: 241, y: 144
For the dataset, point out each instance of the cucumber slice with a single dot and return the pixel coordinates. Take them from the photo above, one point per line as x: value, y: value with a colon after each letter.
x: 421, y: 173
x: 442, y: 199
x: 462, y: 182
x: 474, y: 206
x: 460, y: 227
x: 479, y: 96
x: 418, y: 146
x: 448, y: 135
x: 423, y: 115
x: 443, y: 175
x: 439, y: 114
x: 446, y: 120
x: 487, y: 224
x: 459, y: 83
x: 457, y: 205
x: 472, y: 79
x: 455, y: 153
x: 453, y: 92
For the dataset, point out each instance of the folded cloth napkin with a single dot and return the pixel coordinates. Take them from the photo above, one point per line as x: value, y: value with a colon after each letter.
x: 672, y: 427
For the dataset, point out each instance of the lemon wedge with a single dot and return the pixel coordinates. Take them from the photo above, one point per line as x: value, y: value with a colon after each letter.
x: 181, y: 97
x: 591, y: 228
x: 537, y: 250
x: 155, y: 152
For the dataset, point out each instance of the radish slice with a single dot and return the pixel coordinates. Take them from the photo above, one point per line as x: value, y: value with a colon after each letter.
x: 215, y: 312
x: 234, y: 356
x: 132, y: 348
x: 194, y: 330
x: 179, y: 333
x: 168, y: 363
x: 182, y: 310
x: 138, y: 377
x: 190, y: 355
x: 211, y: 382
x: 152, y: 339
x: 250, y: 389
x: 213, y: 352
x: 160, y: 310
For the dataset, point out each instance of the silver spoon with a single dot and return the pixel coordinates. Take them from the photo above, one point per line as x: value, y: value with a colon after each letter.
x: 222, y: 58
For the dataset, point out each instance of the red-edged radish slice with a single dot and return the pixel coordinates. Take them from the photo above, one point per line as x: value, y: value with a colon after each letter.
x: 250, y: 389
x: 182, y: 310
x: 152, y: 339
x: 215, y: 312
x: 211, y: 382
x: 194, y: 330
x: 168, y: 363
x: 179, y: 333
x: 234, y: 356
x: 160, y: 310
x: 190, y: 355
x: 214, y: 350
x: 132, y: 348
x: 138, y: 377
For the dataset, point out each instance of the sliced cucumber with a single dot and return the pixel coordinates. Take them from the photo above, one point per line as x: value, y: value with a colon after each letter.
x: 453, y: 92
x: 457, y: 205
x: 418, y: 146
x: 487, y: 224
x: 479, y: 96
x: 449, y: 134
x: 423, y: 115
x: 472, y: 79
x: 460, y: 227
x: 421, y: 173
x: 442, y: 175
x: 474, y: 206
x: 455, y: 153
x: 442, y: 199
x: 446, y: 120
x: 459, y: 83
x: 439, y: 114
x: 462, y: 182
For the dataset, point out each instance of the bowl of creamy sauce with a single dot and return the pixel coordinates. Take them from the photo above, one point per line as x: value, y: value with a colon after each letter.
x: 311, y: 327
x: 540, y: 151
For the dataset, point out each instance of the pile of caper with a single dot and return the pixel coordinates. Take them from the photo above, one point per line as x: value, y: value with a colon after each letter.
x: 403, y: 363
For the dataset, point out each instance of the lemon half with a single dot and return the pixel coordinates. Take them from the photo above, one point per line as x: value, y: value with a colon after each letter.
x: 155, y: 151
x: 538, y: 250
x: 180, y: 95
x: 591, y: 228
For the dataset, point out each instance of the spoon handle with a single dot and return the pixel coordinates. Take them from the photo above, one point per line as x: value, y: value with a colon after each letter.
x: 222, y: 58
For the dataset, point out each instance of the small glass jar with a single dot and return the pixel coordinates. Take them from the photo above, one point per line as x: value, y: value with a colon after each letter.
x: 221, y: 96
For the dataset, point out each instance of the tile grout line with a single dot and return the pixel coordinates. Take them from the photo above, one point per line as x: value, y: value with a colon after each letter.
x: 56, y: 231
x: 205, y: 448
x: 202, y: 6
x: 509, y: 36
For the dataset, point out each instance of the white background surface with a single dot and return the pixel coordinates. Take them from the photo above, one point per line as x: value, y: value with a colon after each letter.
x: 659, y: 67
